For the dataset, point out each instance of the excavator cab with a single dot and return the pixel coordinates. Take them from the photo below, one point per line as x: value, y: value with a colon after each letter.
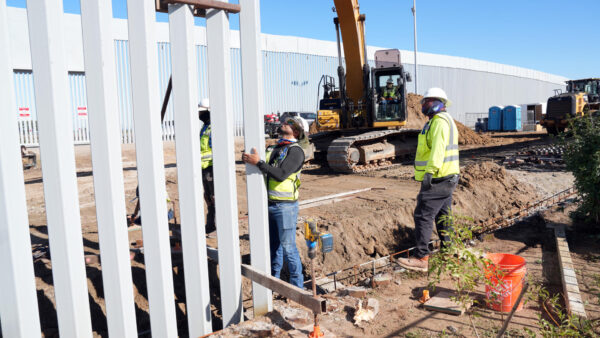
x: 389, y: 89
x: 390, y: 98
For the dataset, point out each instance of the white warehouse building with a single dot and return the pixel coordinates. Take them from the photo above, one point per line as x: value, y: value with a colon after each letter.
x: 292, y: 68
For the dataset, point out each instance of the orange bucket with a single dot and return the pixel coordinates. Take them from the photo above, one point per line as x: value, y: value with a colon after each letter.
x: 504, y: 291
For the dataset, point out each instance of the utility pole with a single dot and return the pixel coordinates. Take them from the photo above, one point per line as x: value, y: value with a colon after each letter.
x: 414, y: 12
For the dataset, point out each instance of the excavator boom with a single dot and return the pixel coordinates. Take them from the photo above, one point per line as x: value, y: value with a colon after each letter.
x: 352, y: 25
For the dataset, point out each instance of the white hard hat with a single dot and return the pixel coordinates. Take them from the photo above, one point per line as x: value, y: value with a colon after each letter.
x: 390, y: 80
x: 437, y: 93
x: 204, y: 104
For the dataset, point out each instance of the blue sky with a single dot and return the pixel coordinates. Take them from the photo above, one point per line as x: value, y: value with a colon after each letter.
x: 554, y: 36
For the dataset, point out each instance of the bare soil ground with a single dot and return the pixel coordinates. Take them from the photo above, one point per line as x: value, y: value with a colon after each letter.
x: 371, y: 225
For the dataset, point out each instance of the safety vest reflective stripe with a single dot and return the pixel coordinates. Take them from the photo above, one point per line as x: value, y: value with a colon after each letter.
x: 206, y: 156
x: 280, y: 193
x: 451, y: 158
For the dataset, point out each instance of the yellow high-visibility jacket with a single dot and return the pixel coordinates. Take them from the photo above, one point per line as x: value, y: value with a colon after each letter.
x: 437, y: 149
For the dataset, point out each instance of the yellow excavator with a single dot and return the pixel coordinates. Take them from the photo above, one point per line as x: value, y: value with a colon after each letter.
x: 582, y: 98
x: 361, y: 121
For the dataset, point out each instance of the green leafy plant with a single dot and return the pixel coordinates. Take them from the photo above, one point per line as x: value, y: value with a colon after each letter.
x: 555, y: 321
x: 582, y: 158
x: 466, y: 268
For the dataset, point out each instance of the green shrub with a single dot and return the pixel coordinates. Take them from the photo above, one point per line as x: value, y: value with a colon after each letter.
x: 582, y: 157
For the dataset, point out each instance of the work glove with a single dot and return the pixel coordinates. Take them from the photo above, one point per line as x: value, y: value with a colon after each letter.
x: 427, y: 181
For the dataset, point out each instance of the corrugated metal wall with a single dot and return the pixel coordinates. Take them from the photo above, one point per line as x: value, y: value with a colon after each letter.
x: 26, y: 112
x: 290, y: 84
x: 79, y: 111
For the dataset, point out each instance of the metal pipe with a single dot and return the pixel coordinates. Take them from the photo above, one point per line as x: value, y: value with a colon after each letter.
x: 414, y: 11
x: 337, y: 35
x: 512, y: 312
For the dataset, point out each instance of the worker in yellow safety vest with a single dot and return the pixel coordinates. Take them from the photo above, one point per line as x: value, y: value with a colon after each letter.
x: 389, y: 92
x: 282, y: 168
x: 207, y: 166
x: 437, y: 168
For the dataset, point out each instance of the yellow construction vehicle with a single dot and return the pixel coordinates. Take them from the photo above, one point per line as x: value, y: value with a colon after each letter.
x: 581, y: 98
x: 360, y: 122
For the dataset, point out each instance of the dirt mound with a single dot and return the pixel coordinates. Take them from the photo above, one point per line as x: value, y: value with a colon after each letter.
x: 486, y: 190
x: 466, y: 136
x: 379, y: 223
x: 415, y: 119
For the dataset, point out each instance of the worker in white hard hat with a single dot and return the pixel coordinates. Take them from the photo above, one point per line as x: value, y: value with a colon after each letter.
x: 281, y: 167
x: 437, y: 168
x: 207, y: 166
x: 390, y: 91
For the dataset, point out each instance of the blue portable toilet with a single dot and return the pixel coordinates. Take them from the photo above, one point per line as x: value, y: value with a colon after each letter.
x: 495, y: 118
x: 511, y: 118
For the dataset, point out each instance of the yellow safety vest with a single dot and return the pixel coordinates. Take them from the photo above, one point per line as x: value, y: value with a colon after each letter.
x: 437, y: 149
x: 389, y: 93
x: 205, y: 148
x: 287, y: 190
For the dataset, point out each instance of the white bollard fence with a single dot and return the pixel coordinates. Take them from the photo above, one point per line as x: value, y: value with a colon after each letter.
x: 19, y: 314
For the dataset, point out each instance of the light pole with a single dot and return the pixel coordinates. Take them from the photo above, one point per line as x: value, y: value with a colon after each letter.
x: 414, y: 12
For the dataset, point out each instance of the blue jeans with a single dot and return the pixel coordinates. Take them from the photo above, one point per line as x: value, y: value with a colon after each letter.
x: 282, y: 238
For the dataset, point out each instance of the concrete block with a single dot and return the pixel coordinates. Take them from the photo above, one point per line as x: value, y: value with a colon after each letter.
x: 382, y: 279
x: 355, y: 291
x: 569, y: 272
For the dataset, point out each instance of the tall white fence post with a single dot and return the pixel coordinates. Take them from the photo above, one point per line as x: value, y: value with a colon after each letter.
x: 219, y: 81
x: 101, y: 83
x: 189, y: 170
x: 18, y: 299
x: 150, y: 164
x: 58, y: 167
x: 254, y: 135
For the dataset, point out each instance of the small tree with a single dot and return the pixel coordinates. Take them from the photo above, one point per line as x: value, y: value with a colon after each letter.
x: 582, y: 157
x: 466, y: 268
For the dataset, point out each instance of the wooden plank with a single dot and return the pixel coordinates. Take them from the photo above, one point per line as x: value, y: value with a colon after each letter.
x: 302, y: 297
x: 330, y: 201
x: 441, y: 302
x: 305, y: 298
x: 328, y: 197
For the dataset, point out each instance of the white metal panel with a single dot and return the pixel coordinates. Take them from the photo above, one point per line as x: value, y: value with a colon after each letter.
x: 258, y: 219
x: 189, y: 170
x: 107, y: 167
x: 58, y: 167
x: 18, y: 308
x: 150, y: 164
x: 219, y: 79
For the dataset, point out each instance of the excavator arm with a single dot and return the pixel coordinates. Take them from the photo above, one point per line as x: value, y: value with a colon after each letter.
x: 352, y: 26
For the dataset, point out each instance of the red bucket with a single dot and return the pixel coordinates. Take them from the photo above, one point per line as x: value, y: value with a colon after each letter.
x: 504, y: 291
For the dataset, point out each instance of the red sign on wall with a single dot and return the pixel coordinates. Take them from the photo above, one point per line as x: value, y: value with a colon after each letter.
x: 24, y: 112
x: 82, y: 112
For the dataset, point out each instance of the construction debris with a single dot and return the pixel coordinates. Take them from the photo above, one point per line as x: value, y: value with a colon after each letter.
x: 355, y: 291
x: 365, y: 310
x: 442, y: 302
